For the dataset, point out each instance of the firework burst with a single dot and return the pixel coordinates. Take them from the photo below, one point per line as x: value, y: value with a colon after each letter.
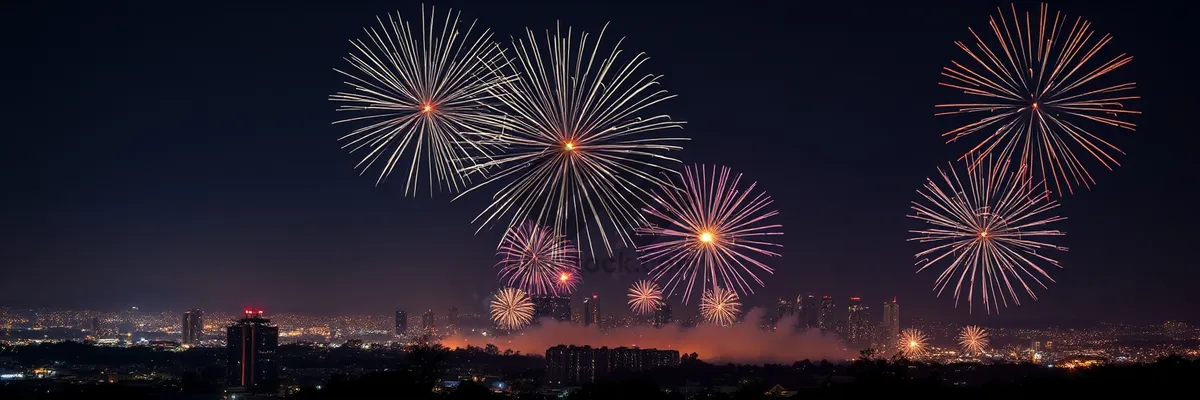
x: 973, y: 340
x: 1036, y: 84
x: 537, y: 260
x: 578, y: 152
x: 913, y: 343
x: 644, y: 297
x: 511, y: 309
x: 989, y: 232
x: 420, y: 96
x: 720, y: 306
x: 711, y: 229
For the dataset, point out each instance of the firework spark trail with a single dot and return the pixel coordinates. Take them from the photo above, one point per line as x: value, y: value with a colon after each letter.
x: 913, y: 343
x: 511, y: 309
x: 577, y: 151
x: 644, y: 297
x: 1036, y: 92
x: 989, y: 230
x: 720, y: 306
x: 537, y: 260
x: 711, y: 227
x: 422, y: 95
x: 973, y: 340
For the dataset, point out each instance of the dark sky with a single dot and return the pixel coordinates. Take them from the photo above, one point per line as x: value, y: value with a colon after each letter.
x: 168, y: 156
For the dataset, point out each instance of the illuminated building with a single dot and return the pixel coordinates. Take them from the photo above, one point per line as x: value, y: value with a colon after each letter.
x: 827, y: 317
x: 401, y: 322
x: 555, y: 307
x: 193, y: 326
x: 662, y: 314
x: 591, y: 310
x: 785, y: 309
x: 575, y: 365
x: 891, y: 319
x: 857, y: 325
x: 809, y: 311
x: 251, y: 344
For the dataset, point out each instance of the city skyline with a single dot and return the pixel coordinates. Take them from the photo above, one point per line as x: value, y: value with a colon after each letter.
x: 234, y: 192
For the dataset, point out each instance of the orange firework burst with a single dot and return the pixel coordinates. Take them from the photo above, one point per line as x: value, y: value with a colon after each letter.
x: 511, y: 309
x: 1037, y: 88
x: 644, y: 297
x: 973, y: 340
x: 913, y: 343
x: 711, y: 229
x: 991, y: 232
x: 720, y: 306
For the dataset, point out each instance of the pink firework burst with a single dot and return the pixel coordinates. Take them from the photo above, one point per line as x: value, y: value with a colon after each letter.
x: 711, y: 229
x: 538, y: 261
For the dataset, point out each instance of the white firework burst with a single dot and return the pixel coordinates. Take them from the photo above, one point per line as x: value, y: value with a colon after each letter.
x: 420, y: 97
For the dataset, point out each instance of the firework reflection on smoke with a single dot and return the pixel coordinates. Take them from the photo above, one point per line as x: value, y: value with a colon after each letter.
x: 741, y: 343
x: 1036, y: 88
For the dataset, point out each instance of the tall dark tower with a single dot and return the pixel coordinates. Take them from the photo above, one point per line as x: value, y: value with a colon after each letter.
x: 401, y: 322
x: 427, y: 320
x: 828, y: 320
x: 591, y: 313
x: 662, y: 314
x: 809, y: 311
x: 251, y: 348
x: 193, y: 326
x: 452, y: 319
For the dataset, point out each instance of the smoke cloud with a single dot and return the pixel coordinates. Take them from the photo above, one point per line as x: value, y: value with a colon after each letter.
x: 742, y: 343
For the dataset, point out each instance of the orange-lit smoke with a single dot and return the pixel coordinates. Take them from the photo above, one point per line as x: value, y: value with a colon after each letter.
x: 741, y: 343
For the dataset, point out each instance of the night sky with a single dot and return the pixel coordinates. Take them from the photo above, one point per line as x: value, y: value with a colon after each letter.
x: 172, y: 157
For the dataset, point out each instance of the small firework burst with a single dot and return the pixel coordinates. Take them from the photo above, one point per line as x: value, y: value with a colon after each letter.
x: 973, y: 340
x: 913, y: 343
x: 720, y: 306
x: 511, y: 309
x: 538, y: 261
x: 644, y: 297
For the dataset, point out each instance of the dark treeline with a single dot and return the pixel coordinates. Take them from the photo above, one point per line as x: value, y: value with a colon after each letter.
x: 420, y: 369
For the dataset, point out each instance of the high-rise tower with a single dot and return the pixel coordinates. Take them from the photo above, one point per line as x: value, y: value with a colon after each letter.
x: 251, y: 344
x: 193, y: 326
